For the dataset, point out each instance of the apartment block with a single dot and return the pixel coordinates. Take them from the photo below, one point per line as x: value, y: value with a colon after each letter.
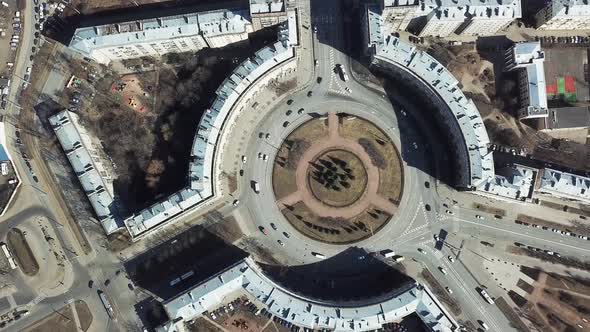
x: 266, y: 13
x: 444, y: 17
x: 564, y: 15
x: 158, y: 36
x: 527, y: 58
x: 397, y: 14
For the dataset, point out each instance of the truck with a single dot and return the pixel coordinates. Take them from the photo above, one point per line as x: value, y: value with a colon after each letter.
x: 342, y: 72
x: 4, y: 168
x: 4, y: 3
x: 387, y: 253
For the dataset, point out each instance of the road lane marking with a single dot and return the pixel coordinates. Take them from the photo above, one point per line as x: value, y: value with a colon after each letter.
x: 525, y: 235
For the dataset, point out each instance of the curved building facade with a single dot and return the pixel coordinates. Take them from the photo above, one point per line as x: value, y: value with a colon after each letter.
x: 246, y: 278
x: 466, y: 130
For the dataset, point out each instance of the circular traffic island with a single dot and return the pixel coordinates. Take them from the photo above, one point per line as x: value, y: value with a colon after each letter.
x: 338, y: 179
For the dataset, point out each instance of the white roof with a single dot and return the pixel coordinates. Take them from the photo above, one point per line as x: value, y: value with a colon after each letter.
x: 478, y: 163
x: 482, y: 9
x: 212, y: 23
x: 571, y: 8
x: 565, y: 185
x: 206, y: 139
x: 98, y: 190
x: 514, y: 182
x: 247, y: 277
x: 528, y: 55
x: 266, y: 6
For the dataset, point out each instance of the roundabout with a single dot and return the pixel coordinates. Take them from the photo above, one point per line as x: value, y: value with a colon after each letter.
x: 337, y: 178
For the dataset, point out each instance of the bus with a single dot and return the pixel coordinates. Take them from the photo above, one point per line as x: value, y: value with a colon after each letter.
x: 486, y: 296
x: 8, y: 255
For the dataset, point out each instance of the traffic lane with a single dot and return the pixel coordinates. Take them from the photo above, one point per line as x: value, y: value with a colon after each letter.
x: 546, y: 239
x: 472, y: 304
x: 460, y: 278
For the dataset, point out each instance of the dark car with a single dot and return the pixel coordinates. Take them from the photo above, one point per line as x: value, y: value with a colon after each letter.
x: 107, y: 282
x: 90, y: 283
x: 35, y: 179
x: 309, y: 93
x: 290, y: 101
x: 130, y: 286
x: 319, y: 80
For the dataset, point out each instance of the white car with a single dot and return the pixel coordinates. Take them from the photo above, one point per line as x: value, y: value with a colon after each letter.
x: 478, y: 217
x: 415, y: 145
x: 29, y: 70
x: 267, y: 135
x: 236, y: 202
x: 244, y: 159
x: 317, y: 63
x: 265, y: 157
x: 451, y: 259
x: 449, y: 290
x: 347, y: 89
x: 449, y: 212
x: 442, y: 270
x: 259, y: 155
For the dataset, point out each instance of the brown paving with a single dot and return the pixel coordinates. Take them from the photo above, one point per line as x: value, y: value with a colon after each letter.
x: 304, y: 194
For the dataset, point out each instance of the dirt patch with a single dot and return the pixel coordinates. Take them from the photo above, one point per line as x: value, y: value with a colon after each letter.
x: 202, y: 325
x: 489, y: 209
x: 335, y: 230
x: 441, y: 293
x: 545, y: 223
x: 525, y: 286
x: 291, y: 151
x: 93, y: 6
x: 581, y: 286
x: 243, y: 320
x: 383, y: 153
x: 84, y: 314
x: 512, y: 316
x: 568, y: 261
x: 22, y: 252
x: 553, y: 305
x: 61, y: 320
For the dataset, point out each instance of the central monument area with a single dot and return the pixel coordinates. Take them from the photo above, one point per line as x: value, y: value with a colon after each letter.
x: 338, y: 178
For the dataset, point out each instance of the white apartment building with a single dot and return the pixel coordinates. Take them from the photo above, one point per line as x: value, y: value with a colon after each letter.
x: 398, y: 14
x: 266, y: 13
x: 564, y: 15
x: 443, y: 21
x: 527, y: 58
x: 158, y: 36
x: 563, y: 185
x: 444, y: 17
x: 488, y: 17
